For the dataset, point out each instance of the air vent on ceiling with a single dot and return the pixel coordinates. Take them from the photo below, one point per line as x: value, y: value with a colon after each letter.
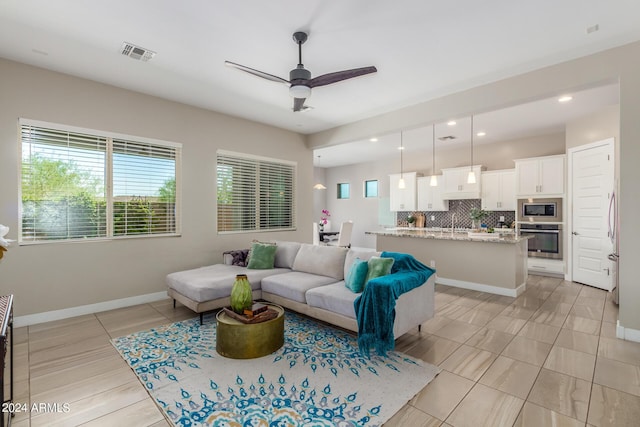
x: 136, y: 52
x: 447, y: 138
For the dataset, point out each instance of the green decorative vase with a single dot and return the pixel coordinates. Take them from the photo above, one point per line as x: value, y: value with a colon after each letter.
x: 241, y: 296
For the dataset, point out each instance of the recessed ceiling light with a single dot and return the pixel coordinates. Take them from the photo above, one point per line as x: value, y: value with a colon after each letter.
x: 481, y: 133
x: 451, y: 123
x: 565, y: 98
x: 374, y: 139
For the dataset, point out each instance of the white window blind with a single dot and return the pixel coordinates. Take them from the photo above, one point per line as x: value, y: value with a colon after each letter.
x: 255, y: 193
x: 144, y: 188
x: 77, y: 184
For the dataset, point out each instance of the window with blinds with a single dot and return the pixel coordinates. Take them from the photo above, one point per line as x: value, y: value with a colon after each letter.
x: 78, y: 184
x: 255, y: 193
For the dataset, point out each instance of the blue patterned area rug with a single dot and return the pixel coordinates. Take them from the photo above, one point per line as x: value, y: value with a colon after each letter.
x: 317, y: 378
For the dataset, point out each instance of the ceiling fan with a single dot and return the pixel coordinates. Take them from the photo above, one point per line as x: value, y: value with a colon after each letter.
x: 300, y: 81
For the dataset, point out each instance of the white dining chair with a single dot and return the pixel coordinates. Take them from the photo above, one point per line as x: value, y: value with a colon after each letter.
x: 316, y: 234
x: 344, y: 237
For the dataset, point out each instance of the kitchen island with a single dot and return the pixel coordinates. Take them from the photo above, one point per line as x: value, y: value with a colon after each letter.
x: 487, y: 262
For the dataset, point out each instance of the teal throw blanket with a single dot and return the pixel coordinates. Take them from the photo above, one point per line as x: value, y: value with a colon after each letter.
x: 375, y: 307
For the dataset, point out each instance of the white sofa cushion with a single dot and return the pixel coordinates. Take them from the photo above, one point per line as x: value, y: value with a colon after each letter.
x: 215, y: 281
x: 286, y: 253
x: 294, y: 285
x: 321, y: 260
x: 336, y: 298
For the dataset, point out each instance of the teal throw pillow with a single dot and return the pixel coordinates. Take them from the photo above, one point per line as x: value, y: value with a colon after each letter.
x: 357, y: 276
x: 378, y: 267
x: 262, y: 256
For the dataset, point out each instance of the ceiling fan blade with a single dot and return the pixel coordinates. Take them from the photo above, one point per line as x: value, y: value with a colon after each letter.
x: 256, y: 72
x: 298, y: 104
x: 338, y: 76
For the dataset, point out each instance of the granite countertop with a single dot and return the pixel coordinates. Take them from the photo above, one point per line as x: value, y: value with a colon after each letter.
x: 462, y: 235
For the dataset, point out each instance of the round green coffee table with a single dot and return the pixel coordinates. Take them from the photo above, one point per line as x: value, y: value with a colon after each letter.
x: 238, y: 340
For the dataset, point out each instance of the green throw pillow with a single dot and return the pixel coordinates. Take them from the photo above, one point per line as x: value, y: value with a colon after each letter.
x: 262, y: 256
x: 357, y: 276
x: 378, y: 267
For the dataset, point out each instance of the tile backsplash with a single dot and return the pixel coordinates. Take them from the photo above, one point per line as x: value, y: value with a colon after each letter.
x: 461, y: 208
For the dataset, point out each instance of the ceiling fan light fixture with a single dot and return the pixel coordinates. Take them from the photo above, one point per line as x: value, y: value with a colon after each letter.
x: 300, y: 91
x: 300, y: 81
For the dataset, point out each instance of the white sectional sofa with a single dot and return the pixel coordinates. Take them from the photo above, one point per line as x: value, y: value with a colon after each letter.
x: 306, y: 278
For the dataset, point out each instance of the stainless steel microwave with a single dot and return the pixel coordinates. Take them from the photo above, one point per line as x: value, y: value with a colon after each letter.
x: 540, y: 210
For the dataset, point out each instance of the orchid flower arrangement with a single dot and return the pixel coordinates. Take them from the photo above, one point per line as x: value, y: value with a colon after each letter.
x: 324, y: 219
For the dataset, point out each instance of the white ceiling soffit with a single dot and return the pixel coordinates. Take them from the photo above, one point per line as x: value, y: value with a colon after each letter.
x: 422, y: 50
x: 542, y: 117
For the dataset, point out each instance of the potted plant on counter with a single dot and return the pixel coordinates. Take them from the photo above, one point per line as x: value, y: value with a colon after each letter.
x: 411, y: 219
x: 477, y: 215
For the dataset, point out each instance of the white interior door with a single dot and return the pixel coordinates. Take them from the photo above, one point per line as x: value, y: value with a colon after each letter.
x: 592, y: 180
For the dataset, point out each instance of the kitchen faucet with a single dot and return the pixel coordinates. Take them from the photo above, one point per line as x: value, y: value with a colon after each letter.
x: 453, y: 215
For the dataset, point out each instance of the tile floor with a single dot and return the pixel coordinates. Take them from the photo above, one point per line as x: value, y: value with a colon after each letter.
x: 546, y: 358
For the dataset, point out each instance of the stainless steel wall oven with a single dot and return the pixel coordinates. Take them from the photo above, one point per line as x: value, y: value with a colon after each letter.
x: 547, y: 239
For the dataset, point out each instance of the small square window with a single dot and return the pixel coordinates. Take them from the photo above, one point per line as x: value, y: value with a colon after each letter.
x: 371, y: 188
x: 343, y: 190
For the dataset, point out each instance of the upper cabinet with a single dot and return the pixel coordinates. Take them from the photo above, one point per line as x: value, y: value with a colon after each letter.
x: 499, y: 190
x: 540, y: 176
x: 430, y: 198
x: 403, y: 199
x: 455, y: 183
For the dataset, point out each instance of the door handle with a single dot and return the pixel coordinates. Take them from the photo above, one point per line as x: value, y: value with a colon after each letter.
x: 575, y: 233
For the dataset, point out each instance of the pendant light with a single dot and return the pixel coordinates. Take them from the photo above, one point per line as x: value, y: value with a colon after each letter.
x: 471, y: 178
x: 434, y: 178
x: 319, y: 185
x: 401, y: 184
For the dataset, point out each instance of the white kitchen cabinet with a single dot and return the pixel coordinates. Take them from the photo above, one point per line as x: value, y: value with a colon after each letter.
x: 456, y: 186
x: 403, y: 199
x: 546, y: 267
x: 499, y: 190
x: 540, y: 176
x: 430, y: 198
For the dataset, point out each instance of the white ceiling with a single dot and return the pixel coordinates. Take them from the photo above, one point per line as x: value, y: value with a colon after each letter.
x: 422, y: 49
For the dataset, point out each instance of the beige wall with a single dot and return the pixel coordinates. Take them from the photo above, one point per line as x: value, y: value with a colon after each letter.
x: 594, y: 127
x: 62, y: 275
x: 615, y: 65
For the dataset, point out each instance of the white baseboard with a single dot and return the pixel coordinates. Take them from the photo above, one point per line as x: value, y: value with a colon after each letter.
x: 627, y: 333
x: 48, y: 316
x: 482, y: 287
